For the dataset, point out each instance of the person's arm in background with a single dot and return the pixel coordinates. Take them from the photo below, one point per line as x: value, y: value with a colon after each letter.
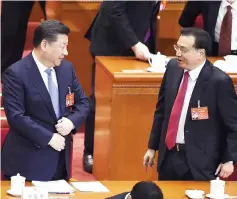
x: 116, y: 12
x: 190, y: 12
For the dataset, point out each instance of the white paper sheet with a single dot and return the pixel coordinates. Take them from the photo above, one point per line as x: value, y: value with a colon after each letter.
x: 90, y: 186
x: 55, y: 187
x: 133, y: 71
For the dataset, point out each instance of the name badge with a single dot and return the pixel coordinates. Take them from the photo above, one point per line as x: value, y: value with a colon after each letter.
x: 69, y: 98
x: 200, y: 113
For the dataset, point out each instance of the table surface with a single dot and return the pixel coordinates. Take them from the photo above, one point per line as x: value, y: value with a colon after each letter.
x: 171, y: 189
x: 116, y: 64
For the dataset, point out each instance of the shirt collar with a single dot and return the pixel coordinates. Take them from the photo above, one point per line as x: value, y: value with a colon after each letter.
x: 195, y: 72
x: 40, y: 66
x: 126, y: 197
x: 225, y: 3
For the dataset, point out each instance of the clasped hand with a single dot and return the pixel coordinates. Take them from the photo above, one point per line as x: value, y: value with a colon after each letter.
x: 64, y: 126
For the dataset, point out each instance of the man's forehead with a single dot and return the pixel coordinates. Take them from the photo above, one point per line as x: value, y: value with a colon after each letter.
x: 62, y: 38
x: 186, y: 41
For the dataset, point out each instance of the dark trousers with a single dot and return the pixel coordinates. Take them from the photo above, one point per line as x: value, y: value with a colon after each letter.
x: 61, y: 172
x: 175, y: 166
x: 14, y: 19
x: 215, y: 49
x: 90, y: 121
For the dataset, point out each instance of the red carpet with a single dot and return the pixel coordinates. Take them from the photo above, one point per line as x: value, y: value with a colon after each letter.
x: 77, y: 169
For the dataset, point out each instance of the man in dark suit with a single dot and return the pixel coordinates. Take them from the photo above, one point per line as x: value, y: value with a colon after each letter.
x: 141, y: 190
x: 121, y: 28
x: 194, y: 148
x: 35, y: 91
x: 220, y: 20
x: 14, y: 20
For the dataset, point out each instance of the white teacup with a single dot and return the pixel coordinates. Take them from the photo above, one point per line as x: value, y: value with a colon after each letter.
x: 17, y: 183
x: 157, y: 61
x: 217, y: 188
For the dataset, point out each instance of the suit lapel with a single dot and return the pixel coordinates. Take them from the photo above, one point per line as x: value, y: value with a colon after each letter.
x: 39, y: 84
x: 61, y: 88
x: 213, y: 10
x: 177, y: 77
x: 200, y: 88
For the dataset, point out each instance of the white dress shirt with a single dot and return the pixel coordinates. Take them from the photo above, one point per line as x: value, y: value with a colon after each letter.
x: 193, y: 75
x: 127, y: 196
x: 221, y: 14
x: 43, y: 74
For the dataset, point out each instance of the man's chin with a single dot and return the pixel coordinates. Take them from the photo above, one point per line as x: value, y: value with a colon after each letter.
x: 182, y: 64
x: 58, y: 63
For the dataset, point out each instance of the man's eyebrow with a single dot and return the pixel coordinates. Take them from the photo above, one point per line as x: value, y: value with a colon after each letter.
x: 180, y: 46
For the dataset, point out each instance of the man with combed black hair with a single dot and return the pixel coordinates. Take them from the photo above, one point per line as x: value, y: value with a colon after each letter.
x: 195, y: 121
x: 44, y: 104
x: 141, y: 190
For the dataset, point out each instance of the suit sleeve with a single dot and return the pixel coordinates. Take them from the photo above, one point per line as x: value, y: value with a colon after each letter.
x: 81, y: 107
x: 116, y: 11
x: 89, y: 31
x: 158, y: 117
x: 14, y: 106
x: 190, y: 12
x: 227, y: 106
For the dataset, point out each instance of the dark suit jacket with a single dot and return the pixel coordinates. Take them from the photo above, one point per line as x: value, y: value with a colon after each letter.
x: 32, y: 119
x: 209, y: 10
x: 119, y: 196
x: 208, y: 142
x: 121, y: 24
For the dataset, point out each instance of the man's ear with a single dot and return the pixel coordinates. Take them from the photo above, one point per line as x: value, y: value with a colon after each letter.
x: 201, y: 51
x: 44, y: 45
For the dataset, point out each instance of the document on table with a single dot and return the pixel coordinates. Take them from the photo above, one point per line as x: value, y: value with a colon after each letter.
x: 55, y: 187
x: 90, y: 186
x: 134, y: 71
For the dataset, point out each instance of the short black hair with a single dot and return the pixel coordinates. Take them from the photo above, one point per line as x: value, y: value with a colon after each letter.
x: 146, y: 190
x: 49, y: 30
x: 202, y: 38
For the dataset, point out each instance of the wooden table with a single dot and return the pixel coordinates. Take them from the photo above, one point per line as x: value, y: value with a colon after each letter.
x: 125, y: 104
x: 171, y: 190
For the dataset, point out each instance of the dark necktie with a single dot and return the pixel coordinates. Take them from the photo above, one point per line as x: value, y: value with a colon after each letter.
x: 225, y: 34
x: 173, y: 125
